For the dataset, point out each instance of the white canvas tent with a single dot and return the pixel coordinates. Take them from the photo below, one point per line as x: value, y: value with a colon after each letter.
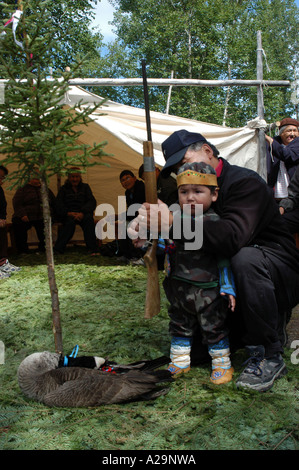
x: 124, y: 130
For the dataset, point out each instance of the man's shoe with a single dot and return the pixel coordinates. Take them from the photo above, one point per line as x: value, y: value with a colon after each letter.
x: 4, y: 275
x: 176, y: 371
x: 9, y: 268
x: 137, y: 262
x: 261, y: 372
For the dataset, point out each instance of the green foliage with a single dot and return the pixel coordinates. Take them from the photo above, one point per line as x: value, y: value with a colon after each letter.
x: 38, y: 131
x: 102, y: 308
x: 208, y: 40
x: 70, y: 20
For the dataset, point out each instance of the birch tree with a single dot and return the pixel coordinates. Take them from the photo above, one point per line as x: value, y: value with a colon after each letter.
x: 208, y: 40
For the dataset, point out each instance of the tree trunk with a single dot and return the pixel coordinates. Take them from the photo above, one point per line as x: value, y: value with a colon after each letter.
x: 169, y: 95
x: 225, y: 114
x: 51, y: 270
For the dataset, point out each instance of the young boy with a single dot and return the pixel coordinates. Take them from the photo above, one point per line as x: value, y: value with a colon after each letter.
x: 198, y: 286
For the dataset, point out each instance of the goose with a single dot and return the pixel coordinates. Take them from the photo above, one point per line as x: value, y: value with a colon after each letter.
x: 89, y: 381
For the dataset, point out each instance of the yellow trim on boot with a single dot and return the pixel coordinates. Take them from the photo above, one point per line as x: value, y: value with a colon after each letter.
x: 221, y: 376
x: 176, y: 371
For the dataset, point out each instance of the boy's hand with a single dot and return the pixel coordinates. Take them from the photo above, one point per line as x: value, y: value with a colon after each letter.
x: 231, y: 301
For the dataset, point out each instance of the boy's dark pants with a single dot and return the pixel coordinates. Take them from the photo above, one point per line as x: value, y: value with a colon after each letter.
x: 196, y: 312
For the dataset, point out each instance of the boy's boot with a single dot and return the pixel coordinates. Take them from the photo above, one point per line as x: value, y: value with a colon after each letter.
x: 180, y: 355
x: 222, y: 371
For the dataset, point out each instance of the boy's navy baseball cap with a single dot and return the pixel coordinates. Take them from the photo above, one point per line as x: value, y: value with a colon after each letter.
x: 176, y: 145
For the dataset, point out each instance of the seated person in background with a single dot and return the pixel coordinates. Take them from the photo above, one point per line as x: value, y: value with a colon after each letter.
x: 282, y: 157
x: 28, y: 212
x: 135, y: 189
x: 135, y: 194
x: 6, y: 268
x: 167, y: 190
x: 75, y: 204
x: 289, y: 206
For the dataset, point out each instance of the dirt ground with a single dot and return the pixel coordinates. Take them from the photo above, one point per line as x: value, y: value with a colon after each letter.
x: 293, y: 326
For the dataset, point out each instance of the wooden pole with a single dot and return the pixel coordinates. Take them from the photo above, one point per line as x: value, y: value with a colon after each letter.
x: 262, y: 170
x: 169, y: 82
x: 174, y: 82
x: 152, y: 299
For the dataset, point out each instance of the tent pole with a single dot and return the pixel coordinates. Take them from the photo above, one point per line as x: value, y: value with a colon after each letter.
x: 167, y: 82
x: 260, y: 110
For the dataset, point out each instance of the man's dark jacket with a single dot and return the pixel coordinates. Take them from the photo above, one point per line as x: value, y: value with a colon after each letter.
x: 3, y: 204
x: 28, y: 201
x: 249, y: 215
x: 136, y: 196
x: 68, y: 200
x: 277, y: 152
x: 292, y: 201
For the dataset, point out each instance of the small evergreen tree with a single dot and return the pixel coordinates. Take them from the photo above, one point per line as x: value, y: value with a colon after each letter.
x: 38, y: 132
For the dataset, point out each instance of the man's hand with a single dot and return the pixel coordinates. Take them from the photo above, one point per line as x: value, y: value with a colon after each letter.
x: 76, y: 215
x: 153, y: 218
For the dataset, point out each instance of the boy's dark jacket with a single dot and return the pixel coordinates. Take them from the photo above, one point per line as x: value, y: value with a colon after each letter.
x: 194, y: 265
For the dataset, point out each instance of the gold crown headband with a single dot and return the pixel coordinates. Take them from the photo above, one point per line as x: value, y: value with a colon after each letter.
x: 193, y: 177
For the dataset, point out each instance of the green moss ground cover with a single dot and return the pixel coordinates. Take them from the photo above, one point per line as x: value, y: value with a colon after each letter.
x: 102, y: 306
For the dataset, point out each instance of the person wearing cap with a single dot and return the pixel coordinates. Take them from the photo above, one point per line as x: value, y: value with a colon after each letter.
x: 282, y: 157
x: 192, y: 285
x: 263, y: 254
x: 75, y: 204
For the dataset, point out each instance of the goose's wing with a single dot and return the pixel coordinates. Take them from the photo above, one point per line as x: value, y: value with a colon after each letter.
x: 96, y: 388
x: 37, y: 386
